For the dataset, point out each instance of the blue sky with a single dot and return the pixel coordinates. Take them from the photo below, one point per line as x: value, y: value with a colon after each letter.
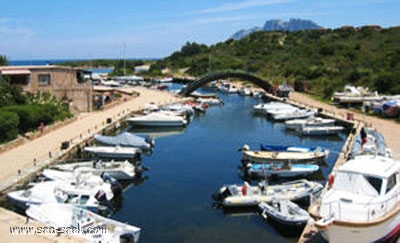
x: 81, y: 29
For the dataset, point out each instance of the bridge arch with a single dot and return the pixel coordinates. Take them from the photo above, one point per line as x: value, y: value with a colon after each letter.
x: 192, y: 86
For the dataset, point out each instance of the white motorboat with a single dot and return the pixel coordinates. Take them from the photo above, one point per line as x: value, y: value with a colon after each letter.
x: 296, y: 114
x: 309, y: 122
x: 282, y: 110
x: 260, y: 156
x: 228, y: 87
x: 327, y: 130
x: 210, y: 101
x: 91, y: 197
x: 362, y: 202
x: 120, y: 170
x: 284, y: 212
x: 178, y: 109
x: 125, y: 139
x: 280, y: 170
x: 355, y: 95
x: 370, y: 141
x: 158, y: 120
x: 263, y: 108
x: 83, y: 223
x: 246, y: 90
x: 114, y: 152
x: 247, y: 195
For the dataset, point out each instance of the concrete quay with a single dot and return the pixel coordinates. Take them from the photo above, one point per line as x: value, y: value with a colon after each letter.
x: 19, y: 164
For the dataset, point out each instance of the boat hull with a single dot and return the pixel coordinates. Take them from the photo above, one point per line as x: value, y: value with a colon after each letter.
x: 260, y: 157
x: 378, y: 232
x: 297, y: 170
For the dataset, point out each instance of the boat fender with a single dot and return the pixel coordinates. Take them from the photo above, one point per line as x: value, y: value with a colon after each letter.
x: 244, y: 190
x: 331, y: 180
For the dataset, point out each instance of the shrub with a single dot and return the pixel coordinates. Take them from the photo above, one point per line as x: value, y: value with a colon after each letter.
x: 8, y: 126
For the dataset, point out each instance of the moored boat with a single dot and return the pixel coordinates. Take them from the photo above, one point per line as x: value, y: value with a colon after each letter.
x: 280, y: 170
x: 296, y: 114
x: 328, y: 130
x: 91, y: 197
x: 120, y: 170
x: 284, y: 212
x: 362, y: 202
x: 309, y: 122
x: 115, y: 152
x: 290, y: 148
x: 125, y: 139
x: 263, y: 108
x: 260, y: 156
x: 156, y: 119
x: 247, y: 195
x: 83, y: 223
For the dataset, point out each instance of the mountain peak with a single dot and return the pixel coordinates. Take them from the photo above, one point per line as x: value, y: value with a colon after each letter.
x: 279, y: 25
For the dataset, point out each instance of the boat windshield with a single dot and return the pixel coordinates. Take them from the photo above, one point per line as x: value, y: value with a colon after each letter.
x: 358, y: 183
x: 375, y: 182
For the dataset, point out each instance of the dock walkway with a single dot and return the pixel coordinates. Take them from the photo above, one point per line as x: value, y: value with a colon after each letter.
x: 389, y: 129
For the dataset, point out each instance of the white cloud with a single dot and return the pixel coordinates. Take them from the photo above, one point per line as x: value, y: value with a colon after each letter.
x: 242, y: 5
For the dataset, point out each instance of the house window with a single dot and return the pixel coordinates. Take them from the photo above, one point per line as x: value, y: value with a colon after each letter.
x: 44, y: 79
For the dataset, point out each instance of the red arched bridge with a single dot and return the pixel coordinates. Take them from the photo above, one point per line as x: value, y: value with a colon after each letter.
x: 192, y: 86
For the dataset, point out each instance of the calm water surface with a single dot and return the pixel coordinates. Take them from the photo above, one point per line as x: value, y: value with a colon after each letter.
x: 174, y: 204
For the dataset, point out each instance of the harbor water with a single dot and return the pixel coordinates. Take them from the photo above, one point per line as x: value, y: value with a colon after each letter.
x: 173, y: 202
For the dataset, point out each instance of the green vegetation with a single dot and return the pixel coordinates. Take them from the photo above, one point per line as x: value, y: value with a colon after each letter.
x: 9, y: 122
x: 20, y: 113
x: 325, y: 59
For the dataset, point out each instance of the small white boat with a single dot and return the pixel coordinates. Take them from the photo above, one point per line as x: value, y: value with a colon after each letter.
x: 328, y: 130
x: 260, y: 157
x: 246, y: 90
x: 83, y: 223
x: 362, y: 202
x: 90, y: 197
x: 115, y: 152
x: 120, y: 170
x: 228, y: 87
x: 247, y: 195
x: 158, y: 120
x: 370, y: 141
x: 264, y: 108
x: 125, y: 139
x: 296, y: 114
x: 309, y: 122
x: 210, y: 101
x: 284, y: 212
x: 280, y: 170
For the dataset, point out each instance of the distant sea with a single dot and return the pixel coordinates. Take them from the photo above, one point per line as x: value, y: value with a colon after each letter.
x: 36, y: 62
x: 53, y: 62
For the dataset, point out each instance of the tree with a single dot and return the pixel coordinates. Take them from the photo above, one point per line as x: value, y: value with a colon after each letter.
x: 3, y: 61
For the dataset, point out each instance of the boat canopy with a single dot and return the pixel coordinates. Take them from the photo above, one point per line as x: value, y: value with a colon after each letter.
x: 365, y: 175
x: 126, y: 139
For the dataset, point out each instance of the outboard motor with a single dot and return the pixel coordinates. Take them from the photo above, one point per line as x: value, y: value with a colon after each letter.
x: 137, y: 156
x: 101, y: 197
x: 115, y: 185
x: 149, y: 141
x: 127, y: 238
x: 221, y: 194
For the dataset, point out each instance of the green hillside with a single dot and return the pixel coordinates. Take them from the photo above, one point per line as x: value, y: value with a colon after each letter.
x: 325, y: 59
